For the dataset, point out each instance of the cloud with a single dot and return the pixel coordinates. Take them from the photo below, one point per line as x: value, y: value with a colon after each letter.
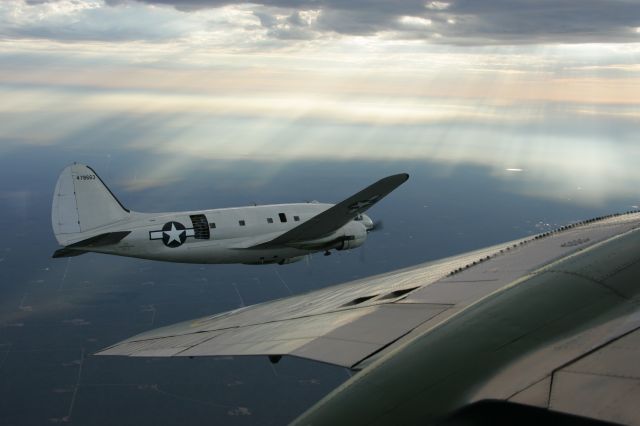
x: 454, y: 21
x: 457, y: 22
x: 544, y: 21
x: 294, y: 26
x: 88, y: 20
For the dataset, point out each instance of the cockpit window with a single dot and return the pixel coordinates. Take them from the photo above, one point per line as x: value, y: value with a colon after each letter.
x: 359, y: 217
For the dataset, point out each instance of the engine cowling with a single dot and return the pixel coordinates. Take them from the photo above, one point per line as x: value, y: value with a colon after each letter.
x: 290, y: 260
x: 355, y: 235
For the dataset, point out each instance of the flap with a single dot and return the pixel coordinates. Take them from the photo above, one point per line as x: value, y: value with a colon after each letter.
x: 342, y: 338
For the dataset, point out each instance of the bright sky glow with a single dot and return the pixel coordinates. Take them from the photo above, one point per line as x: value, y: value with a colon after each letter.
x: 413, y: 81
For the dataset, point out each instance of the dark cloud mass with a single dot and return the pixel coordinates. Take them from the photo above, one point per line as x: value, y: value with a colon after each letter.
x: 570, y: 21
x: 454, y: 21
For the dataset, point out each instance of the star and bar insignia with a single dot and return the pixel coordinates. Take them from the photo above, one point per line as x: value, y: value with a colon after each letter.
x: 173, y: 234
x: 359, y: 205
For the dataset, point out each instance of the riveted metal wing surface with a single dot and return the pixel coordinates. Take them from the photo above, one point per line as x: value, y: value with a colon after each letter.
x: 358, y: 323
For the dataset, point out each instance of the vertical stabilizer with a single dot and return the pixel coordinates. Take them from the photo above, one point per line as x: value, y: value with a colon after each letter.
x: 81, y: 203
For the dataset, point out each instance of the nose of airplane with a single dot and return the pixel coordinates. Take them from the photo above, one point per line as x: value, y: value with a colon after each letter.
x: 367, y: 222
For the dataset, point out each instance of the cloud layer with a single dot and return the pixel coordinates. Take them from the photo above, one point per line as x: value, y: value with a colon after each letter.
x: 451, y: 21
x: 458, y: 22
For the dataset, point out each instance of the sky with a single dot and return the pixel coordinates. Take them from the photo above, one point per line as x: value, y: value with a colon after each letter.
x: 545, y: 87
x: 512, y: 118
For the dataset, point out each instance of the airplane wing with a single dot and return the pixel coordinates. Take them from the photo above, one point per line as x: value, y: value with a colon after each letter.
x: 340, y: 214
x: 341, y: 325
x: 559, y: 342
x: 565, y: 275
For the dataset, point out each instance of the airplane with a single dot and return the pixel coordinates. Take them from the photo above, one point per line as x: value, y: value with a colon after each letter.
x: 542, y: 330
x: 87, y: 217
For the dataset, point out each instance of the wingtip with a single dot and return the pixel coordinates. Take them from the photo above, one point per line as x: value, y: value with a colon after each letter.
x: 403, y: 177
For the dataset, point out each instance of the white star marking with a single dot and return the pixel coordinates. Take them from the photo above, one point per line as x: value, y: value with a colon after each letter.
x: 362, y: 204
x: 173, y: 234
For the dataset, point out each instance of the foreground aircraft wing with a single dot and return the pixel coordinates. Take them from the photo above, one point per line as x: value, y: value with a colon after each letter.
x: 549, y: 334
x: 488, y: 308
x: 340, y: 214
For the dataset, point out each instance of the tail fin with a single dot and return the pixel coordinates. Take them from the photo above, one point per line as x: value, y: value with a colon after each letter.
x: 81, y: 203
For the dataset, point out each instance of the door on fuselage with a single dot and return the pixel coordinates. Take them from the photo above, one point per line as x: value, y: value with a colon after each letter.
x: 200, y: 227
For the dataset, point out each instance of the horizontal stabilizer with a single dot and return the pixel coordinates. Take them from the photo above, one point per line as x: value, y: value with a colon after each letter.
x: 66, y: 252
x: 101, y: 240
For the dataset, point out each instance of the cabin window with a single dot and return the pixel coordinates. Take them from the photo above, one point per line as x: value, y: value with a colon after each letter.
x: 283, y: 217
x: 212, y: 225
x: 242, y: 222
x: 296, y: 218
x: 269, y: 220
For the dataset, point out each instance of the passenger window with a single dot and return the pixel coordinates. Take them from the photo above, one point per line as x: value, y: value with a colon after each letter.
x: 212, y: 225
x: 296, y: 218
x: 242, y: 222
x: 269, y: 220
x: 283, y: 217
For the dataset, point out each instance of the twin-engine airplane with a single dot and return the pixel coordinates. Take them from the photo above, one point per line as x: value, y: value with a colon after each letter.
x: 87, y: 217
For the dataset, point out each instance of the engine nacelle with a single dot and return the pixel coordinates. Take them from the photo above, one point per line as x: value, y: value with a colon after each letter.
x: 355, y: 234
x: 290, y: 260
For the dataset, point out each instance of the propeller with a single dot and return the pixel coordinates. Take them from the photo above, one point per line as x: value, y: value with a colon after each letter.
x: 378, y: 225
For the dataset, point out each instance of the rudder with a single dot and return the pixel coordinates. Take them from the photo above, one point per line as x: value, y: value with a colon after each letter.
x: 81, y: 203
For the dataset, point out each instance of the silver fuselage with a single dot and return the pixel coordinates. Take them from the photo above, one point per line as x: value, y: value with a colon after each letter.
x: 231, y: 233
